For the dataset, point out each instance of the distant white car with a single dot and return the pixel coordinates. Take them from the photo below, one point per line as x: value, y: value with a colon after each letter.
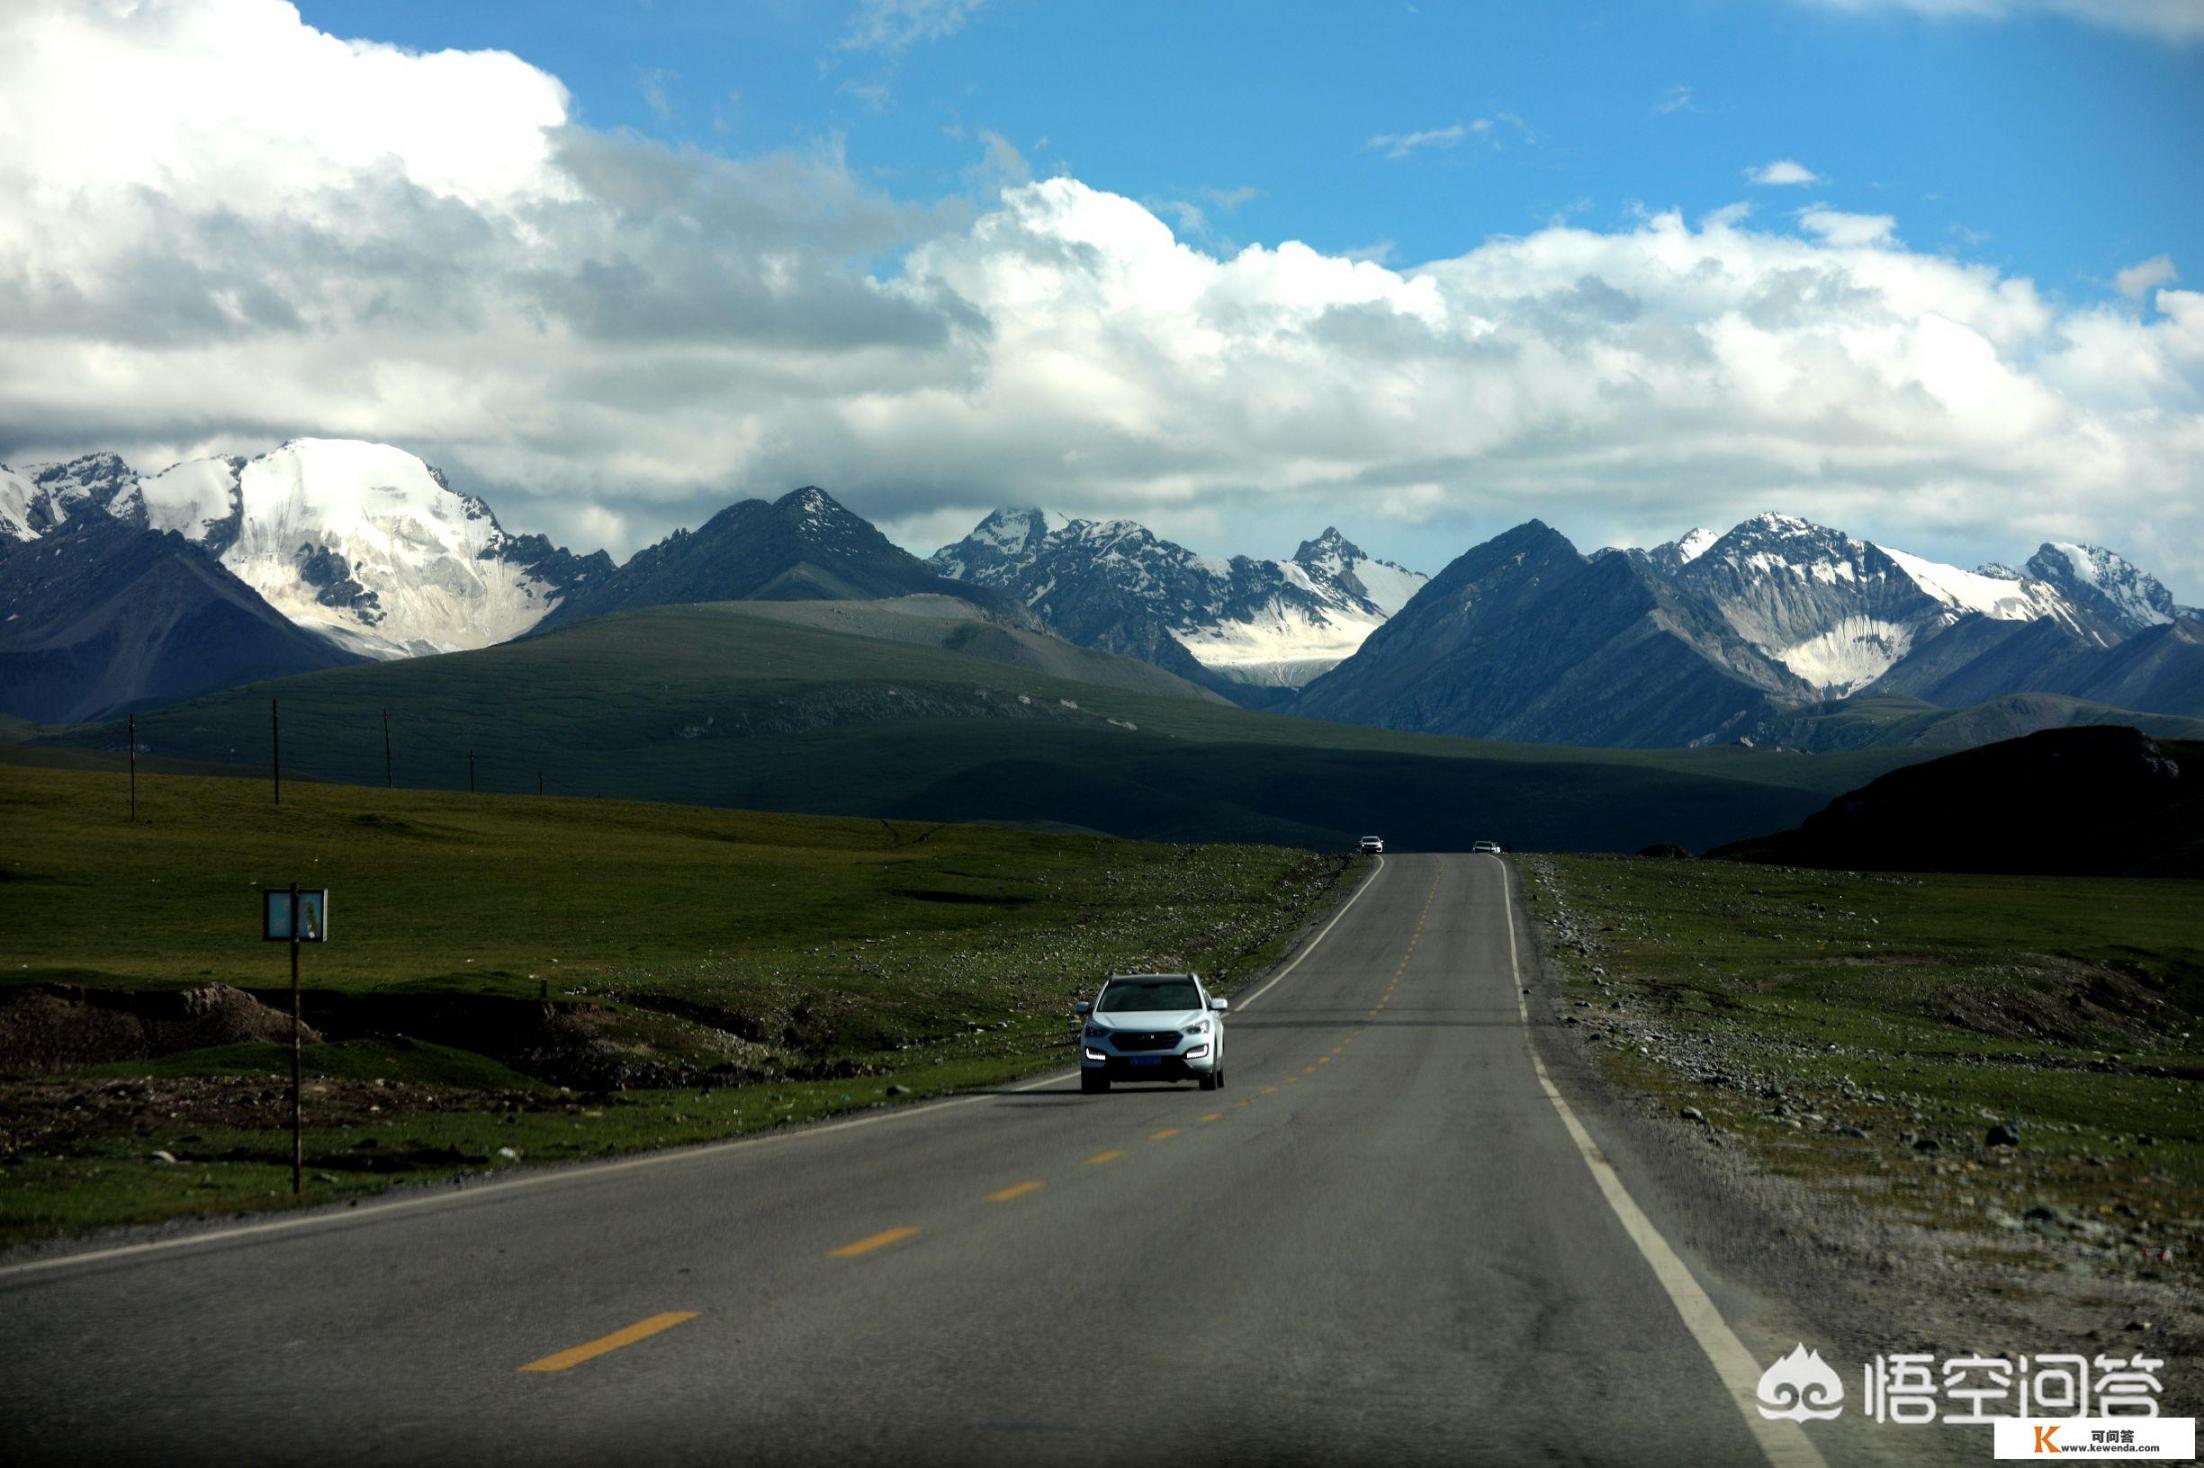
x: 1480, y: 847
x: 1151, y: 1027
x: 1373, y: 846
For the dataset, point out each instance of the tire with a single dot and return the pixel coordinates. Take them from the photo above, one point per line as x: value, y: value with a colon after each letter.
x: 1093, y: 1082
x: 1212, y: 1080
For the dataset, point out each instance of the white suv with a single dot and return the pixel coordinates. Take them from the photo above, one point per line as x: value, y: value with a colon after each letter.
x: 1373, y: 846
x: 1151, y: 1027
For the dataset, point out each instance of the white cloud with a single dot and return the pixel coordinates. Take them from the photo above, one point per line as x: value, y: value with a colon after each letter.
x: 1676, y: 99
x: 1400, y: 145
x: 609, y: 337
x: 2145, y: 276
x: 1847, y: 230
x: 656, y: 83
x: 896, y: 25
x: 1783, y: 172
x: 2169, y: 20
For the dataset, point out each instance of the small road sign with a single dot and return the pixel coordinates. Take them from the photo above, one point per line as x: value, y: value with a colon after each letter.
x: 313, y: 915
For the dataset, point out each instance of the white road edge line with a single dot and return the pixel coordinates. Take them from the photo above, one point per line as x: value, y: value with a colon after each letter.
x: 1310, y: 946
x: 1784, y: 1444
x: 586, y: 1171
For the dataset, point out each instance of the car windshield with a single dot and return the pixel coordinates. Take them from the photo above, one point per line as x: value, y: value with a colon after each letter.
x: 1122, y: 995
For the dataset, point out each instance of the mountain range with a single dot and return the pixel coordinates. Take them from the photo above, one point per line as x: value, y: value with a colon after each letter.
x: 1729, y: 636
x: 1237, y: 624
x: 1775, y: 631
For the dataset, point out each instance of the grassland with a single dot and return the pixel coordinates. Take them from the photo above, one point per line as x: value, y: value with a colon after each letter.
x: 1865, y: 1034
x: 560, y: 978
x: 726, y: 705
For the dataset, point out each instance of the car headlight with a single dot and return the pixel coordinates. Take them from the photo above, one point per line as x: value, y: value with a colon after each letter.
x: 1095, y: 1032
x: 1198, y: 1052
x: 1199, y: 1027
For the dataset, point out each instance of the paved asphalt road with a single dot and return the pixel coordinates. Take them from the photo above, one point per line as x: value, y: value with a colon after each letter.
x: 1381, y: 1243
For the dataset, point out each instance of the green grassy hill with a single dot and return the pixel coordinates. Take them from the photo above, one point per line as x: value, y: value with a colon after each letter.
x: 727, y: 705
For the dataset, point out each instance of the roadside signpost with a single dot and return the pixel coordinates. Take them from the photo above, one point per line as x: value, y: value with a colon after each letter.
x: 294, y: 916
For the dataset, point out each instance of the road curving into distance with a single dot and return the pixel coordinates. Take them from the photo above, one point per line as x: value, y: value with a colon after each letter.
x: 1389, y: 1240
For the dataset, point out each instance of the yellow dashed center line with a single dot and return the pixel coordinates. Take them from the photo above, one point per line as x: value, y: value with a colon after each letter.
x: 1101, y: 1157
x: 1270, y: 1090
x: 628, y: 1336
x: 1214, y: 1116
x: 1015, y: 1190
x: 871, y: 1242
x: 1167, y: 1132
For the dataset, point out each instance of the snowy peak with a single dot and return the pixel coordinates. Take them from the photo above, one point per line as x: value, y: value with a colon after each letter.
x: 198, y: 499
x: 360, y: 542
x: 1685, y: 549
x: 1329, y: 553
x: 1838, y: 613
x: 1834, y: 612
x: 2104, y: 586
x: 818, y: 519
x: 1118, y: 585
x: 1784, y: 544
x: 40, y: 497
x: 1014, y: 530
x: 1336, y: 565
x: 17, y: 496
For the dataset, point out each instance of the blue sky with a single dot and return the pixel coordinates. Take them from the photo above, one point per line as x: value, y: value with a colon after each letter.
x: 2051, y: 147
x: 1931, y: 271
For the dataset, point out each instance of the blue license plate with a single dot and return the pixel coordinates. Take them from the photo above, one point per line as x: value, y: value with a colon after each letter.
x: 1147, y: 1060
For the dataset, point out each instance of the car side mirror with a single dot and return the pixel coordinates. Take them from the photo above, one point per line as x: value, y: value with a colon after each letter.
x: 1082, y: 1007
x: 1220, y: 1004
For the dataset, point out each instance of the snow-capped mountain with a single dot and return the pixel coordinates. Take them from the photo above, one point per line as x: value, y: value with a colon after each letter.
x: 362, y: 543
x: 1838, y: 612
x: 2112, y: 595
x: 1116, y: 585
x: 1737, y: 634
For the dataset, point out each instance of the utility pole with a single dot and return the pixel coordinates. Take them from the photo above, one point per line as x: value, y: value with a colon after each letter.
x: 275, y: 746
x: 539, y: 784
x: 470, y: 772
x: 298, y: 1126
x: 389, y: 780
x: 133, y: 737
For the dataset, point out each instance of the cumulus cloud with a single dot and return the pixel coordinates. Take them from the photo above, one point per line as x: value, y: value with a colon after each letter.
x: 2145, y: 276
x: 2169, y: 20
x: 609, y: 337
x: 1782, y: 173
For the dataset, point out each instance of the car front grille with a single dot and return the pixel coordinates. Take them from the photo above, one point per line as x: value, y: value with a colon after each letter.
x: 1145, y: 1039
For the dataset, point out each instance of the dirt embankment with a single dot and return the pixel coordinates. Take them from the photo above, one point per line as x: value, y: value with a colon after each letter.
x: 48, y: 1029
x: 51, y: 1027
